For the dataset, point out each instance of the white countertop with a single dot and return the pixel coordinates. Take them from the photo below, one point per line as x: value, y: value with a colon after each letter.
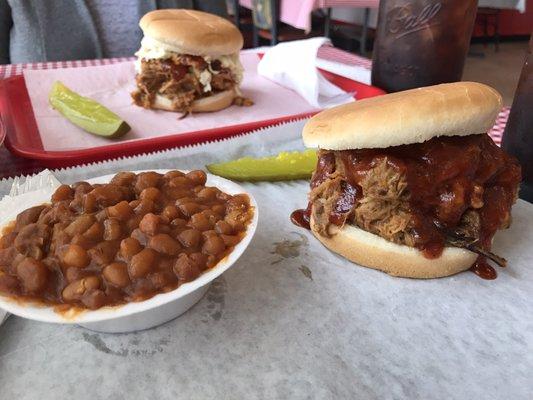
x: 519, y: 5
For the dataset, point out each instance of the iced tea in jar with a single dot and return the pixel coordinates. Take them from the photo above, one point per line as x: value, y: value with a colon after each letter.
x: 421, y: 42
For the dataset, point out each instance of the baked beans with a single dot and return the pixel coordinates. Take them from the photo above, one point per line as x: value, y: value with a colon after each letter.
x: 108, y: 244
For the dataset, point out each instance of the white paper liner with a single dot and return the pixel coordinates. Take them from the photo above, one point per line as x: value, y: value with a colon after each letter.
x: 385, y: 329
x: 111, y: 85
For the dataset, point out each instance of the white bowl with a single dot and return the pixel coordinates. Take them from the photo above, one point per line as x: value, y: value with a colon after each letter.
x: 144, y: 314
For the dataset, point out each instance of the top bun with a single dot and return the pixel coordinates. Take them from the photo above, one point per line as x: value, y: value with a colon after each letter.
x: 411, y: 116
x: 192, y: 32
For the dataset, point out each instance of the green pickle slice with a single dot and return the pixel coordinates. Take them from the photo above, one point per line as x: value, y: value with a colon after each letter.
x: 285, y: 166
x: 87, y: 113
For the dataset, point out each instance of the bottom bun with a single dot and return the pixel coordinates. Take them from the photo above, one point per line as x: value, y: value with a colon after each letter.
x: 211, y: 103
x: 369, y: 250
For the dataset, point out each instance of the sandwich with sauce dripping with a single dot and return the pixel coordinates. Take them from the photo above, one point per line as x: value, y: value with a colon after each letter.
x: 410, y: 183
x: 188, y: 62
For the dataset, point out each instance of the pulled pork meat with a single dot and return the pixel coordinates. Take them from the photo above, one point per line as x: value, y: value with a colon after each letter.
x: 381, y: 207
x: 418, y: 195
x: 179, y: 78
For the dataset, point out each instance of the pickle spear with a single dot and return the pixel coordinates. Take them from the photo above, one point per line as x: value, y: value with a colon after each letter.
x: 87, y: 113
x: 285, y: 166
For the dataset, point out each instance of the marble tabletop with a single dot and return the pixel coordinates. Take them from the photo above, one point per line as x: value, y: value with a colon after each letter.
x: 291, y: 320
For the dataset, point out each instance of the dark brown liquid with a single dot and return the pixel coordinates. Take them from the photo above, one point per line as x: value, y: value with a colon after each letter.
x: 301, y: 218
x: 421, y: 42
x: 518, y: 136
x: 482, y: 269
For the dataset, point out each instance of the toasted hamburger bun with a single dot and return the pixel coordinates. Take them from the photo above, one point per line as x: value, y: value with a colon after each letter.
x: 211, y: 103
x: 411, y: 116
x: 191, y: 32
x: 372, y: 251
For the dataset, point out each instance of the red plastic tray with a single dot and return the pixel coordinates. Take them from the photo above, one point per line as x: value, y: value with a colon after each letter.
x: 23, y: 139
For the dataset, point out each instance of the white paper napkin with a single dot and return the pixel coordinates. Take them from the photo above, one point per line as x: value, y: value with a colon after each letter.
x: 292, y: 65
x: 23, y: 193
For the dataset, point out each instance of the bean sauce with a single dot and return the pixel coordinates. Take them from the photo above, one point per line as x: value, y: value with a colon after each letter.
x: 139, y: 235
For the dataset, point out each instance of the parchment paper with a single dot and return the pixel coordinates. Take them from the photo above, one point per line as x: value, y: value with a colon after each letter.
x: 291, y: 320
x: 111, y: 86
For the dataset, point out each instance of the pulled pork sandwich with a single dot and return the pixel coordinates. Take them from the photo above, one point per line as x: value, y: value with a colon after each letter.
x: 188, y: 62
x: 409, y: 183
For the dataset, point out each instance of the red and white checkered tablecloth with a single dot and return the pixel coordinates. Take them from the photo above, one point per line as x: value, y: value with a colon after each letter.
x: 347, y: 3
x: 496, y: 133
x: 11, y: 165
x: 326, y: 3
x: 297, y: 13
x: 331, y: 53
x: 326, y: 52
x: 8, y: 70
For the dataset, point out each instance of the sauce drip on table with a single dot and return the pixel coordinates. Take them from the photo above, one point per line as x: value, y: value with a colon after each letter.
x: 483, y: 269
x: 302, y: 218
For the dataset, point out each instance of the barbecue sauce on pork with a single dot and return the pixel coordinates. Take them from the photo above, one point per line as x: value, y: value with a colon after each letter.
x: 446, y: 177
